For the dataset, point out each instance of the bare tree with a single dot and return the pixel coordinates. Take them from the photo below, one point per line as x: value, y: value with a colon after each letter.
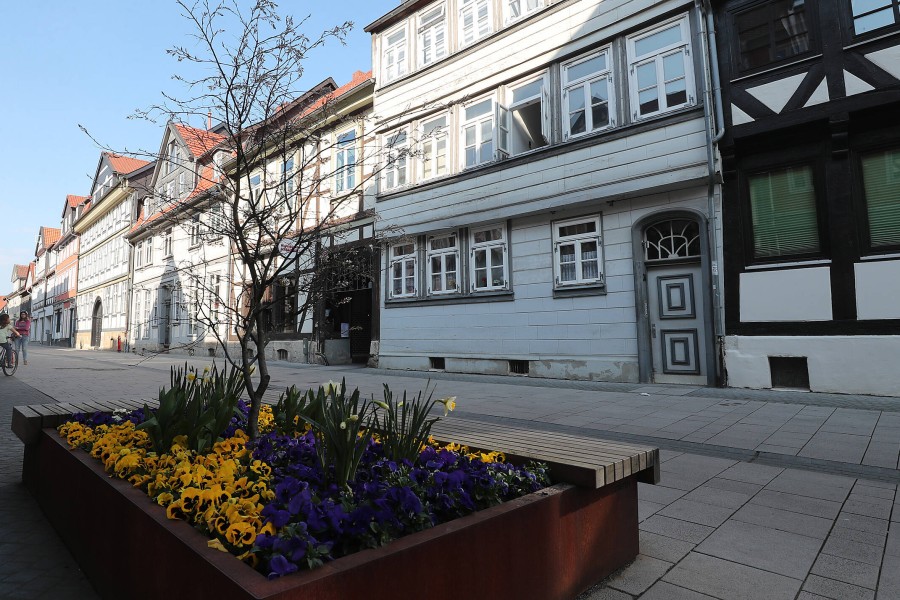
x: 259, y: 174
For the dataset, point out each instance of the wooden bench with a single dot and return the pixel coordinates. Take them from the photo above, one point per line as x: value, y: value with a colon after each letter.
x: 585, y: 462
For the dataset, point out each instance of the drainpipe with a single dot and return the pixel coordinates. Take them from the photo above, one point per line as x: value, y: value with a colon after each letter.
x: 712, y: 112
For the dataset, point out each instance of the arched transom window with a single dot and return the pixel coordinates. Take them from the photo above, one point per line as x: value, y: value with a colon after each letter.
x: 674, y: 239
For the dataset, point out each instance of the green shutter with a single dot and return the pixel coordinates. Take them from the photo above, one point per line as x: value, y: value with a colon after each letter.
x: 881, y: 182
x: 783, y: 208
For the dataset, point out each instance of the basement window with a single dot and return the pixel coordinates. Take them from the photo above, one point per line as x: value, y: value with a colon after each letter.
x: 789, y: 372
x: 518, y: 367
x: 437, y: 363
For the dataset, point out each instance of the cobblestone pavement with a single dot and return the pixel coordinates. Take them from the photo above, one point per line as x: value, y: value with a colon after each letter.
x: 764, y: 494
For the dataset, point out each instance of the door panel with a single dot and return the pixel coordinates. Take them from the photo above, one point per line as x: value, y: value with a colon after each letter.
x: 677, y: 332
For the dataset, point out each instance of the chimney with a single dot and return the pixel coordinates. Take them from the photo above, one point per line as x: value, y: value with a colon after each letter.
x: 209, y: 120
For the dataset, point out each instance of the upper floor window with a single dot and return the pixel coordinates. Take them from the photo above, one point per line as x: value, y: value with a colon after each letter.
x: 434, y: 147
x: 587, y: 101
x: 772, y: 32
x: 529, y: 115
x: 488, y: 265
x: 474, y: 20
x: 783, y: 213
x: 577, y: 251
x: 881, y: 188
x: 394, y: 55
x: 167, y: 242
x: 403, y: 270
x: 479, y: 139
x: 286, y: 181
x: 432, y: 36
x: 345, y: 161
x: 869, y: 15
x: 172, y: 157
x: 182, y: 184
x: 139, y: 255
x: 443, y: 264
x: 515, y: 9
x: 255, y: 188
x: 661, y: 73
x: 396, y: 170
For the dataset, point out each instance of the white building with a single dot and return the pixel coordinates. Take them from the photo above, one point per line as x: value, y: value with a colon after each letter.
x: 551, y: 170
x: 180, y: 272
x: 44, y: 268
x: 105, y: 258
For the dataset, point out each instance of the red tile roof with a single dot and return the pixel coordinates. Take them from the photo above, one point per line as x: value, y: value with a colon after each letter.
x: 125, y: 164
x: 22, y: 271
x: 199, y: 141
x: 359, y: 77
x: 74, y: 200
x: 51, y: 236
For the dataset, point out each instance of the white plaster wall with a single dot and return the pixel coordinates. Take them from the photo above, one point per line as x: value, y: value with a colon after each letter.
x: 588, y: 337
x: 841, y: 364
x: 786, y: 295
x: 878, y: 289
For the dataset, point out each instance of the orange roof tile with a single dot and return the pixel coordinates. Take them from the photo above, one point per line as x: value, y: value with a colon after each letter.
x: 125, y: 164
x: 74, y: 200
x: 359, y: 77
x: 51, y: 236
x: 22, y: 271
x: 199, y: 141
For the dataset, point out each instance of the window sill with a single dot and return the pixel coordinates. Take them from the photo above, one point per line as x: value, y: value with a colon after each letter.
x: 793, y: 264
x: 595, y: 289
x: 473, y: 298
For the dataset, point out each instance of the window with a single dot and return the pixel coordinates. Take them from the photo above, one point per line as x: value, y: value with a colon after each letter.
x: 661, y: 74
x: 529, y: 115
x: 255, y: 188
x: 395, y: 174
x: 394, y: 55
x: 403, y: 271
x: 478, y: 133
x: 588, y: 104
x: 577, y: 252
x: 139, y: 255
x: 345, y: 166
x: 216, y: 222
x: 488, y: 258
x: 516, y: 9
x: 146, y: 327
x: 474, y: 20
x: 432, y: 36
x: 869, y: 15
x: 182, y: 184
x: 773, y: 32
x: 172, y: 160
x: 783, y: 213
x: 167, y: 243
x: 434, y: 147
x: 170, y: 191
x: 443, y: 264
x: 148, y: 251
x: 195, y: 230
x: 881, y: 187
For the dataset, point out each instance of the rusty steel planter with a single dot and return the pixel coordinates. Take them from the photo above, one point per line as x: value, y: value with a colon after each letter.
x: 552, y: 544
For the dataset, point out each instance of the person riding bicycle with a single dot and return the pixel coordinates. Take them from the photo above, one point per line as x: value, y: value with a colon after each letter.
x: 7, y: 331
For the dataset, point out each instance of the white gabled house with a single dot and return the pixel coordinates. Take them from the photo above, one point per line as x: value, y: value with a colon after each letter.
x: 104, y: 263
x: 180, y: 271
x: 551, y: 167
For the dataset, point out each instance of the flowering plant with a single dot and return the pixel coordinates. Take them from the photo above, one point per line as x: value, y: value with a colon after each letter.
x: 277, y: 505
x: 404, y: 426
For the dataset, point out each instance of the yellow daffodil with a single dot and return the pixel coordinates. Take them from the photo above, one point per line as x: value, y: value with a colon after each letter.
x: 191, y: 377
x: 449, y: 404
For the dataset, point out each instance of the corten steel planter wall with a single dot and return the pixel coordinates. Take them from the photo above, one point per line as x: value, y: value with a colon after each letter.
x: 549, y: 545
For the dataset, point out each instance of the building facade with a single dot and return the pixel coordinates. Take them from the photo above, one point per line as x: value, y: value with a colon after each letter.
x: 812, y: 190
x: 182, y: 269
x: 44, y: 269
x: 101, y: 222
x: 551, y: 168
x: 19, y: 298
x: 62, y: 285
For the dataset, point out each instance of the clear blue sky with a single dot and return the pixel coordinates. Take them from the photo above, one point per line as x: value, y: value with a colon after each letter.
x: 65, y: 63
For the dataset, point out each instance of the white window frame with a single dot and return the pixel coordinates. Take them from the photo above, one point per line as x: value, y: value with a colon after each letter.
x: 476, y: 247
x: 582, y: 85
x: 498, y: 118
x: 432, y: 24
x: 397, y: 160
x: 442, y: 254
x: 543, y: 97
x: 195, y: 231
x: 430, y: 142
x: 167, y: 243
x: 657, y: 57
x: 473, y: 7
x: 577, y: 240
x: 148, y: 249
x: 394, y: 56
x: 138, y: 255
x: 345, y: 161
x: 529, y: 6
x: 403, y: 259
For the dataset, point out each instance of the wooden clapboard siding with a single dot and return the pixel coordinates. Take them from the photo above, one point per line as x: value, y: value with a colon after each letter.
x: 573, y: 459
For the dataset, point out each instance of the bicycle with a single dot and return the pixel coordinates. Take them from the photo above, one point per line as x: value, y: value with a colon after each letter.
x: 9, y: 366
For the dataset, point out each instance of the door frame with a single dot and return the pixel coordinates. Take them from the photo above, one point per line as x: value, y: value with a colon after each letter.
x: 97, y: 323
x: 645, y: 356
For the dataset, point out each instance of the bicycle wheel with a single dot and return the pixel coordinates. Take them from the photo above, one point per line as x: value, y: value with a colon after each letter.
x: 10, y: 363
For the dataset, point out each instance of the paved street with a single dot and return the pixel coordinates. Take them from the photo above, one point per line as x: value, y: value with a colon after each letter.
x: 764, y: 494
